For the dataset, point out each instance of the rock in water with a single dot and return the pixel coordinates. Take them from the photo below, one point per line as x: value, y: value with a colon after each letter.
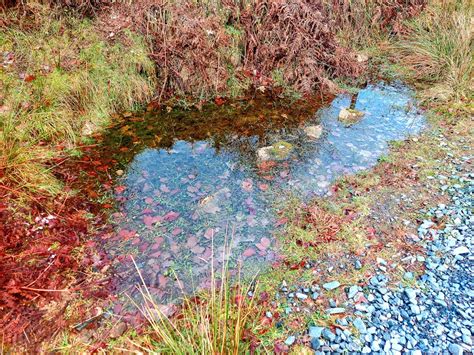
x: 278, y: 151
x: 281, y: 150
x: 264, y: 153
x: 350, y: 116
x: 313, y: 132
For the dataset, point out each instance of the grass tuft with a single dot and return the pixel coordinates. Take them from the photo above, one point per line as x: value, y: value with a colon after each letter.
x: 437, y: 50
x: 221, y: 320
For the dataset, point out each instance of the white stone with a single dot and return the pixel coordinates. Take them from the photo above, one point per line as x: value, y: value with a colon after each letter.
x: 461, y: 250
x: 314, y: 132
x: 264, y: 153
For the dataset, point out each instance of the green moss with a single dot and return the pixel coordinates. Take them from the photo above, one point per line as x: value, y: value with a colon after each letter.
x: 281, y: 150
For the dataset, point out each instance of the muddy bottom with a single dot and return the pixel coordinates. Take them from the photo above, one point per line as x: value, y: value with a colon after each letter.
x: 193, y: 184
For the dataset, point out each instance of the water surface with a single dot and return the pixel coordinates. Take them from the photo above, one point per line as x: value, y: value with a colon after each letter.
x: 193, y: 183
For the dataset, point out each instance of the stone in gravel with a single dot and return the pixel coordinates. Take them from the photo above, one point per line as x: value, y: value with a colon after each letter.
x: 466, y: 339
x: 301, y: 296
x: 411, y: 294
x: 315, y: 332
x: 397, y: 347
x: 336, y: 310
x: 315, y: 344
x: 357, y: 264
x: 342, y: 321
x: 328, y: 335
x: 455, y: 349
x: 360, y: 325
x: 352, y: 291
x: 290, y: 340
x: 460, y: 250
x: 375, y: 346
x: 408, y: 276
x: 315, y: 295
x: 331, y: 285
x: 415, y: 309
x: 269, y: 314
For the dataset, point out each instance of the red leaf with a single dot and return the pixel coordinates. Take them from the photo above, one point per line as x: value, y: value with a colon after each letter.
x: 120, y: 189
x: 281, y: 222
x: 29, y: 78
x: 171, y: 216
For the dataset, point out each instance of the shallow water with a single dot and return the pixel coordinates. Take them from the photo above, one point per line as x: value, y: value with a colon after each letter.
x: 189, y: 189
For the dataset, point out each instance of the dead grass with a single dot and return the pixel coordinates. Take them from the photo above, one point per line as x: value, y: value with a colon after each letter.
x: 363, y: 24
x: 437, y: 49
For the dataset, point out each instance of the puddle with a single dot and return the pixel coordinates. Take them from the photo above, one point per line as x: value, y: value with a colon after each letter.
x: 194, y: 182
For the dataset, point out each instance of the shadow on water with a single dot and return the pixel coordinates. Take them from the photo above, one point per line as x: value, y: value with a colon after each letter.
x: 193, y: 180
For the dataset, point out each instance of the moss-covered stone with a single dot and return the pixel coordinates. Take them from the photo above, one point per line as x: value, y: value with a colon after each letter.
x: 349, y: 116
x: 281, y: 150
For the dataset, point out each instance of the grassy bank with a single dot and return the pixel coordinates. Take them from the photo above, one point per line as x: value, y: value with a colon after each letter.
x: 61, y: 81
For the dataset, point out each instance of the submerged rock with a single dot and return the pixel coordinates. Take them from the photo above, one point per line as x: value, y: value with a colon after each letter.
x: 350, y: 116
x: 264, y: 153
x: 280, y: 150
x: 211, y: 204
x: 313, y: 132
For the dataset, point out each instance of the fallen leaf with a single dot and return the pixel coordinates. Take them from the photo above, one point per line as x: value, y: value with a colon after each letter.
x: 249, y: 252
x: 171, y: 216
x: 120, y: 189
x: 247, y: 185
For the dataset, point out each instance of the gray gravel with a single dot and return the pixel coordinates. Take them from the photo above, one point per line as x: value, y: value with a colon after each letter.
x: 432, y: 313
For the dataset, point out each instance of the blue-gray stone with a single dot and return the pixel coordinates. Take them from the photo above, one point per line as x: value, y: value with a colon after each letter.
x: 460, y: 250
x: 352, y: 291
x: 415, y: 309
x: 336, y: 310
x: 331, y: 285
x: 411, y: 293
x: 315, y: 344
x: 290, y: 340
x: 315, y: 332
x: 397, y: 347
x: 301, y: 296
x: 328, y: 335
x: 375, y: 346
x: 360, y: 325
x: 455, y: 349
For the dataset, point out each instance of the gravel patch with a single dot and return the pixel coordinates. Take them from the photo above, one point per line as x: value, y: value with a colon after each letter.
x: 429, y: 314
